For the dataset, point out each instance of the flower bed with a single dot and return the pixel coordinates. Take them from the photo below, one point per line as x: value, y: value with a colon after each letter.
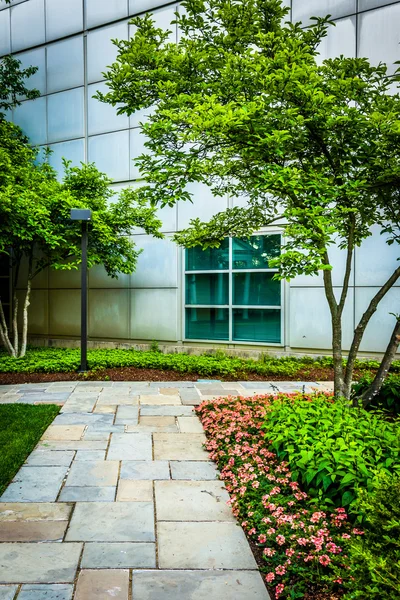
x: 301, y: 549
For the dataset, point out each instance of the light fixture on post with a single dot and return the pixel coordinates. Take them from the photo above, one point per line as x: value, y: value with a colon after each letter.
x: 84, y: 215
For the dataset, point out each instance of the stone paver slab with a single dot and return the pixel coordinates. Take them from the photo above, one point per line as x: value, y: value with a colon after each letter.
x: 56, y: 591
x: 93, y: 473
x: 102, y: 585
x: 144, y: 469
x: 116, y: 555
x: 198, y: 585
x: 105, y: 409
x: 32, y: 531
x: 79, y: 405
x: 203, y: 546
x: 50, y: 458
x: 130, y: 446
x: 192, y: 501
x: 160, y: 411
x: 87, y: 494
x: 169, y: 391
x: 92, y: 455
x: 35, y: 484
x: 64, y: 432
x: 29, y: 511
x: 217, y: 392
x: 96, y: 436
x: 179, y: 446
x: 118, y: 400
x: 83, y: 419
x: 117, y: 522
x: 127, y: 415
x: 38, y: 563
x: 190, y: 425
x: 134, y: 491
x: 193, y: 470
x: 190, y: 396
x: 78, y: 445
x: 7, y: 592
x: 160, y: 399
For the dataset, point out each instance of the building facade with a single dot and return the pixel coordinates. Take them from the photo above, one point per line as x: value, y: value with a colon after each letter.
x: 225, y: 296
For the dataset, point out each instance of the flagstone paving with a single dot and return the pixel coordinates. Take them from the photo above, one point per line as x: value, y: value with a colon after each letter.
x: 119, y: 498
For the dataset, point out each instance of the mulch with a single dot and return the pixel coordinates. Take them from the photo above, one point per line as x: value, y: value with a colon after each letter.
x: 135, y: 374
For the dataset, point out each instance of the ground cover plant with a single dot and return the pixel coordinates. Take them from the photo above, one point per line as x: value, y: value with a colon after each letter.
x: 333, y: 448
x: 211, y: 364
x: 21, y: 427
x: 303, y: 544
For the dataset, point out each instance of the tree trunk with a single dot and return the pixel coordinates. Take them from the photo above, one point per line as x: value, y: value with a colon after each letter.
x: 25, y: 320
x: 25, y: 309
x: 15, y: 307
x: 4, y: 332
x: 387, y: 360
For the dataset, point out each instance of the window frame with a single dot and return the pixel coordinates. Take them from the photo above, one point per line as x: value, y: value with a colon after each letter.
x: 230, y: 341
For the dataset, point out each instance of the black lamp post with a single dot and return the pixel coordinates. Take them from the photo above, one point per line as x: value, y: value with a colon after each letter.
x: 84, y: 215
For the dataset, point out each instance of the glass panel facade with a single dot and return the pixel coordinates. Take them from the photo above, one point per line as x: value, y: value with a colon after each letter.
x: 207, y: 323
x: 255, y: 252
x: 212, y: 259
x: 247, y: 281
x: 255, y: 289
x: 254, y: 325
x: 208, y: 288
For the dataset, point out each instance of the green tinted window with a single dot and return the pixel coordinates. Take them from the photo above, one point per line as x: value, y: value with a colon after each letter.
x: 255, y: 325
x: 255, y: 252
x: 212, y: 259
x: 207, y: 288
x: 207, y: 323
x: 254, y: 289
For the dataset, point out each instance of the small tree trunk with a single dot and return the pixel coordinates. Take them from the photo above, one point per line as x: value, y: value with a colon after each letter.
x: 387, y: 360
x: 25, y: 319
x: 4, y: 332
x: 337, y: 358
x: 15, y: 322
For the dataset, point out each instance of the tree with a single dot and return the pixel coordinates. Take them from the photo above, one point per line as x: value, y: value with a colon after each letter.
x: 242, y: 104
x: 35, y: 227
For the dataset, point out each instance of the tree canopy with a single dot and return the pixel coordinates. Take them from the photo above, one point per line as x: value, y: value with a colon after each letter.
x: 243, y: 104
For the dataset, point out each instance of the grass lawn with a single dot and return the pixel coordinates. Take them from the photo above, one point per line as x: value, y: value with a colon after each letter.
x: 21, y: 427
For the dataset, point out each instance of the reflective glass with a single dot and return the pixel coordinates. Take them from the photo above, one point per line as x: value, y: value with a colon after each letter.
x: 207, y: 288
x: 207, y: 323
x: 104, y: 11
x: 255, y: 252
x: 63, y: 18
x: 212, y: 259
x: 252, y: 289
x: 65, y: 64
x: 65, y: 115
x: 255, y: 325
x: 27, y: 25
x: 5, y: 32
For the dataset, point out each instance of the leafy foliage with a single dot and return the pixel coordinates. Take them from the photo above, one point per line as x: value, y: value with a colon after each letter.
x: 389, y: 395
x: 243, y: 105
x: 333, y: 449
x: 21, y: 427
x: 12, y: 83
x: 374, y: 559
x: 59, y: 360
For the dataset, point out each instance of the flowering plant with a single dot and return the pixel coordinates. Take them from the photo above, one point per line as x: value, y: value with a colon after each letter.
x: 302, y: 546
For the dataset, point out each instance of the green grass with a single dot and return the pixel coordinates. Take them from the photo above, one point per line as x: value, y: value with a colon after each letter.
x: 217, y: 363
x: 21, y: 427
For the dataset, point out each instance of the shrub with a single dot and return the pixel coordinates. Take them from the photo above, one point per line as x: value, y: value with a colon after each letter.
x: 333, y: 449
x: 374, y: 559
x: 389, y: 395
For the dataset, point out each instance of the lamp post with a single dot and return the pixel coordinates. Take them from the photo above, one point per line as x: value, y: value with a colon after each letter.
x: 84, y: 215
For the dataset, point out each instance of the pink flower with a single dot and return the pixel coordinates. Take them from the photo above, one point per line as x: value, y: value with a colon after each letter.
x: 280, y: 570
x: 262, y: 538
x: 324, y: 560
x: 252, y: 531
x: 269, y: 551
x: 279, y: 589
x: 280, y: 539
x: 270, y: 577
x: 271, y: 531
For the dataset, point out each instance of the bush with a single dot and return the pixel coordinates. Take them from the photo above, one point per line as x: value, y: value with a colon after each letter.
x: 333, y: 449
x: 389, y: 395
x: 374, y: 559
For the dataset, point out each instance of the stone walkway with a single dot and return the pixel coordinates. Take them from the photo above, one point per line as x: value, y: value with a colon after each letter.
x: 119, y: 499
